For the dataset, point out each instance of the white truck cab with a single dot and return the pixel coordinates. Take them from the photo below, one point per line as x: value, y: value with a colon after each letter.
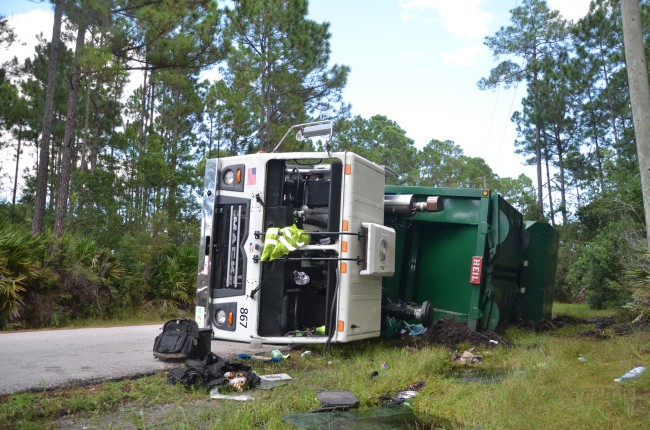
x: 330, y: 289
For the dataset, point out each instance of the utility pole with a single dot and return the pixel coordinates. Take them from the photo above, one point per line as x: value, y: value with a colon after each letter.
x: 637, y: 76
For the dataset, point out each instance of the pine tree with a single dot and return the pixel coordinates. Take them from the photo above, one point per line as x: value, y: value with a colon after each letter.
x: 535, y: 33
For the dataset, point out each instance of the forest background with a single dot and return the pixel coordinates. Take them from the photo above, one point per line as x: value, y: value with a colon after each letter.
x: 105, y: 224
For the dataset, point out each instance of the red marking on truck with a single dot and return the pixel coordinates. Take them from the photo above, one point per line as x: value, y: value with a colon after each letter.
x: 475, y: 271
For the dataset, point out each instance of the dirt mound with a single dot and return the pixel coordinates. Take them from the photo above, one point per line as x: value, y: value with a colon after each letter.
x: 452, y: 333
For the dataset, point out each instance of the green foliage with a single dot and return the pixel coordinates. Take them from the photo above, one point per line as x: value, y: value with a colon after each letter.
x: 381, y: 140
x: 159, y: 275
x: 596, y: 252
x: 20, y: 267
x: 279, y: 67
x: 596, y: 273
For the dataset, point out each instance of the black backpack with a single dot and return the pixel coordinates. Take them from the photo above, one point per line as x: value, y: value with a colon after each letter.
x: 181, y: 339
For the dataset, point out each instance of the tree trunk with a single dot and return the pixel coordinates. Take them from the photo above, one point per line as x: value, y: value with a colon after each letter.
x: 68, y: 139
x: 44, y: 155
x: 560, y: 157
x: 550, y: 191
x: 637, y: 73
x: 599, y: 161
x: 84, y: 148
x: 20, y: 136
x: 538, y: 156
x: 612, y: 115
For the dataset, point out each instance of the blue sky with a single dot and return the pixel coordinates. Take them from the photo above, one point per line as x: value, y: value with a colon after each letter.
x: 415, y: 61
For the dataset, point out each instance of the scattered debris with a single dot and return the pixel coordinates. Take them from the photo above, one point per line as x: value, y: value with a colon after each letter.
x: 305, y: 353
x: 214, y: 394
x: 634, y: 373
x: 212, y: 372
x: 276, y: 353
x: 336, y: 401
x: 413, y: 329
x: 271, y: 381
x: 401, y: 397
x: 467, y: 358
x: 384, y: 365
x: 452, y: 333
x: 582, y: 359
x: 259, y: 357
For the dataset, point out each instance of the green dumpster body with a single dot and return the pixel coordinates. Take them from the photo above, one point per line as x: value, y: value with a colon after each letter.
x: 465, y: 259
x: 538, y: 272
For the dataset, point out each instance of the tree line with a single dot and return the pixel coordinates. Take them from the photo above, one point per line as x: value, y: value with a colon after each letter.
x: 106, y: 221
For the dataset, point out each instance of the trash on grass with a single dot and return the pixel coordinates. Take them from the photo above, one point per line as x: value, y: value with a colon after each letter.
x: 634, y: 373
x: 336, y: 401
x: 405, y: 395
x: 258, y: 357
x: 414, y: 329
x: 582, y: 359
x: 305, y: 353
x: 384, y: 365
x: 215, y: 394
x: 276, y: 353
x: 467, y: 358
x: 213, y: 371
x: 271, y: 381
x: 402, y: 397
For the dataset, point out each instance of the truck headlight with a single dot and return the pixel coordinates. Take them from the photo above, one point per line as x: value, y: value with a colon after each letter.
x: 228, y: 177
x: 221, y: 317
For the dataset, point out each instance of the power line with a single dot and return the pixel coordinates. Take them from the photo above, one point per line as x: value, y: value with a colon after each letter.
x: 507, y: 123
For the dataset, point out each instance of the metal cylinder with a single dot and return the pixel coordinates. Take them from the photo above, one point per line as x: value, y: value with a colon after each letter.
x: 399, y: 203
x: 433, y: 204
x: 405, y: 203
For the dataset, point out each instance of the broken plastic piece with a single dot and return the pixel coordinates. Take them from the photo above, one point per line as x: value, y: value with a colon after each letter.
x: 214, y: 394
x: 271, y: 381
x: 634, y: 373
x: 468, y: 358
x: 258, y: 357
x: 337, y: 400
x: 276, y: 353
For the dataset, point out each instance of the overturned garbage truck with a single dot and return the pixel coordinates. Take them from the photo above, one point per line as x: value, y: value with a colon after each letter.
x: 310, y: 247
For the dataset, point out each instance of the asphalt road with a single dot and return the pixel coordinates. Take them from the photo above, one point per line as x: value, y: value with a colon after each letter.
x: 47, y: 359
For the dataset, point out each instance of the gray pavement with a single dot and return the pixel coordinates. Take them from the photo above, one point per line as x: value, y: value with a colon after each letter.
x: 47, y: 359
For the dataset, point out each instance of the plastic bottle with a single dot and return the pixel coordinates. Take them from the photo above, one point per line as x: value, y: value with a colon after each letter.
x: 634, y: 373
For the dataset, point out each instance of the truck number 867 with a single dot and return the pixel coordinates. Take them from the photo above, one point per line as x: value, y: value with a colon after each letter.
x: 243, y: 317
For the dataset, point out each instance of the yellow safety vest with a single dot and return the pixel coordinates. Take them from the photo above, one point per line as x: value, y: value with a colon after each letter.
x: 280, y: 242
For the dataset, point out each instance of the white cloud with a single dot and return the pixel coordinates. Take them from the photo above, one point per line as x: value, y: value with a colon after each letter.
x: 570, y: 9
x: 27, y: 26
x: 462, y: 18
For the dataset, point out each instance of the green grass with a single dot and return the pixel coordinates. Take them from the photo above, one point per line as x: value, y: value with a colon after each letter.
x: 543, y: 386
x: 581, y: 310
